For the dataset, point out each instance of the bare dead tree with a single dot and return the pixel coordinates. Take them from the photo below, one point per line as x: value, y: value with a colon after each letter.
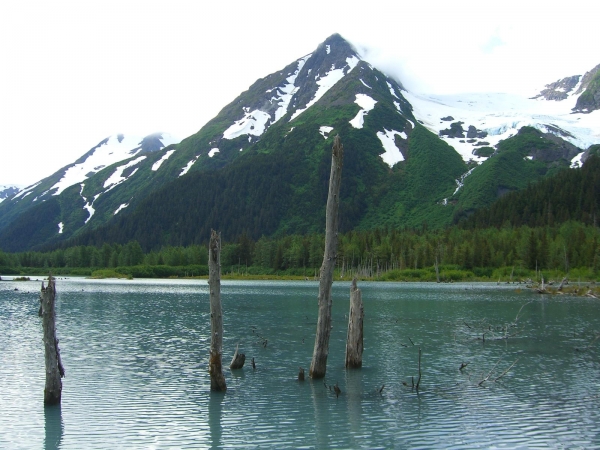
x: 238, y: 359
x: 215, y: 367
x: 354, y: 339
x: 318, y: 366
x: 300, y: 374
x: 54, y: 368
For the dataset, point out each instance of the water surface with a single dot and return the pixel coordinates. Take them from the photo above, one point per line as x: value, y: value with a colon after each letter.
x: 136, y: 354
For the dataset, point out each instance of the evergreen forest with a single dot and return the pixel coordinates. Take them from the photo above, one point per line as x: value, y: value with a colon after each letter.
x: 551, y: 226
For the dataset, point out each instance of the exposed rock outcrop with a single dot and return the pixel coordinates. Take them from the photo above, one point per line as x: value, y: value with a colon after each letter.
x: 559, y: 90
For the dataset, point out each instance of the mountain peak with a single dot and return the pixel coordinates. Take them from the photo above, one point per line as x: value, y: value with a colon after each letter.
x: 338, y: 42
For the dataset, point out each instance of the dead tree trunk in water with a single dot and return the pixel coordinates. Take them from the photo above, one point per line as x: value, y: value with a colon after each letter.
x: 238, y: 359
x: 354, y: 340
x: 54, y: 367
x: 215, y: 367
x: 318, y: 366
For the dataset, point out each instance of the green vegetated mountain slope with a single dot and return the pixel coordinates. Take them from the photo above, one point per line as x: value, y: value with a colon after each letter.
x: 568, y: 195
x: 518, y: 161
x: 261, y: 167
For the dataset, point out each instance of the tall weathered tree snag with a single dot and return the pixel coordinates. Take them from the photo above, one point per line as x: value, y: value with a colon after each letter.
x: 318, y: 366
x: 215, y: 367
x: 354, y: 339
x: 54, y: 367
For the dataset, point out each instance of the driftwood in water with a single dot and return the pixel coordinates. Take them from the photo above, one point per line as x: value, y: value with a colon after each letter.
x: 318, y: 366
x: 542, y: 290
x: 337, y: 390
x: 54, y: 368
x: 301, y: 374
x: 215, y: 367
x: 354, y: 339
x: 562, y: 283
x: 238, y: 359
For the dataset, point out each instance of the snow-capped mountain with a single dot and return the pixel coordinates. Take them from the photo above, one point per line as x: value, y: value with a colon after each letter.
x: 261, y: 165
x: 282, y: 98
x: 106, y: 153
x: 109, y: 151
x: 7, y: 191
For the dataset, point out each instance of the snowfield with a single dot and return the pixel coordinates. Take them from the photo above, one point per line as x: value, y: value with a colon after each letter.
x: 114, y: 150
x: 158, y: 163
x: 189, y: 165
x: 117, y: 176
x: 325, y: 130
x: 287, y: 91
x: 501, y: 116
x: 392, y: 153
x: 254, y: 123
x: 121, y: 206
x: 367, y: 104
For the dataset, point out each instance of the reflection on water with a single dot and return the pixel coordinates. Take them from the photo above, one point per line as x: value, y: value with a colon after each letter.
x: 53, y: 426
x: 136, y: 354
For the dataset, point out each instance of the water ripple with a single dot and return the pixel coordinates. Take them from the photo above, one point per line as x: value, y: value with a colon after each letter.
x: 136, y: 357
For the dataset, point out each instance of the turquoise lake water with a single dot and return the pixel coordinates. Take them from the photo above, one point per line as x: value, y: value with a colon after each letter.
x: 136, y: 354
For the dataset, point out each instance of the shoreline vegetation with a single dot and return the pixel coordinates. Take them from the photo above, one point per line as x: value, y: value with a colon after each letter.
x: 502, y: 255
x: 443, y: 274
x: 581, y: 287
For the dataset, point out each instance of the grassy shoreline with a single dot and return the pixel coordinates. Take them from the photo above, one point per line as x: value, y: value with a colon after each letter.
x: 445, y: 275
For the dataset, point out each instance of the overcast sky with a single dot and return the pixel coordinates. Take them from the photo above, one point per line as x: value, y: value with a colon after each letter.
x: 75, y: 72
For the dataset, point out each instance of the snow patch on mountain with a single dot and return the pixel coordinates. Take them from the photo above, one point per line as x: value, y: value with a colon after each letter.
x: 501, y: 116
x: 392, y: 91
x: 287, y: 91
x: 61, y: 227
x: 392, y: 153
x: 576, y: 161
x: 252, y: 123
x: 115, y: 149
x: 365, y: 84
x: 117, y: 177
x: 24, y: 192
x: 41, y: 195
x: 121, y: 206
x: 188, y: 166
x: 325, y: 130
x: 89, y: 206
x: 327, y: 81
x: 90, y: 209
x: 367, y: 104
x: 158, y: 163
x: 110, y: 152
x: 352, y: 62
x: 213, y: 152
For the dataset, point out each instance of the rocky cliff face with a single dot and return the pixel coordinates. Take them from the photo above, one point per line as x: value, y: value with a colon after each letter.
x: 559, y: 90
x: 589, y: 100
